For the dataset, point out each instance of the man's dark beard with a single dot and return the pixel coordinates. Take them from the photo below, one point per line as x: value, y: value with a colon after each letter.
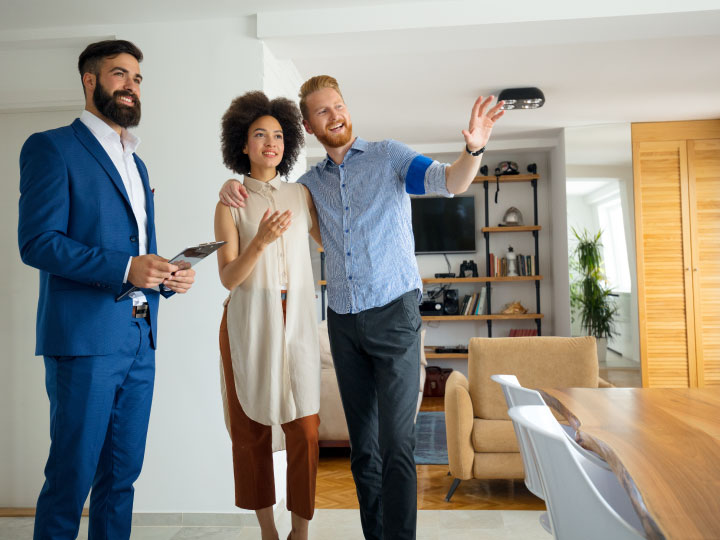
x: 122, y: 115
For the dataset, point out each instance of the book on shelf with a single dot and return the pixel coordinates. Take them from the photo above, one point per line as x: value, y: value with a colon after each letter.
x: 525, y: 265
x: 465, y: 301
x: 522, y: 332
x: 480, y: 308
x: 468, y: 298
x: 471, y: 305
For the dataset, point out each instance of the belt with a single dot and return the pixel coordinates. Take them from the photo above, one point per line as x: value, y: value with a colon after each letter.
x: 140, y: 312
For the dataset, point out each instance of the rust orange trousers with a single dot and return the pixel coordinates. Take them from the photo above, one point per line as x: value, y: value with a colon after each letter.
x: 252, y: 451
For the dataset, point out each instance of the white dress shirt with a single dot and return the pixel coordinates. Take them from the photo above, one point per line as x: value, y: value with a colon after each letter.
x: 120, y: 149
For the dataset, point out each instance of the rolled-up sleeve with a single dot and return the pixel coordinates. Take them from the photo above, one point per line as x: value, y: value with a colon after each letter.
x: 420, y: 174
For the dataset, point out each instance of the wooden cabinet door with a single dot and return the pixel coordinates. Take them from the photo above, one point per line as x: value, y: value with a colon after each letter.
x: 704, y: 192
x: 662, y: 231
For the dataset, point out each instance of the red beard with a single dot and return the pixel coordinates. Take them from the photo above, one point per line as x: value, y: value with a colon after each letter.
x: 336, y: 141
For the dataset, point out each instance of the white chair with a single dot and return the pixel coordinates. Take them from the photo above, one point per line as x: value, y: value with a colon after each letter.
x: 583, y: 500
x: 517, y: 395
x: 532, y: 476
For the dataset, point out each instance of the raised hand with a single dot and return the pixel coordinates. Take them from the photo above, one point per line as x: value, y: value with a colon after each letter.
x: 482, y: 121
x: 272, y: 226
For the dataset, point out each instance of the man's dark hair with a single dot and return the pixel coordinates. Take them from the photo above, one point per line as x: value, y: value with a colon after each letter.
x: 90, y: 59
x: 243, y: 111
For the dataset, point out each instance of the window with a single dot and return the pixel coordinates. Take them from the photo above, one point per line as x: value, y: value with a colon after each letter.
x: 610, y: 218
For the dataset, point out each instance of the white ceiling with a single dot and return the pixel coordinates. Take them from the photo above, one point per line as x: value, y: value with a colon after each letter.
x: 409, y: 81
x: 582, y: 187
x: 411, y: 70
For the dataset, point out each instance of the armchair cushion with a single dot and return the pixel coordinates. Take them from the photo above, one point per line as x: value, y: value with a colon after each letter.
x: 493, y: 436
x: 459, y: 426
x: 558, y: 362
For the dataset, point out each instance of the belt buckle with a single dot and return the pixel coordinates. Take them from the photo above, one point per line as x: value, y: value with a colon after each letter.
x: 140, y: 312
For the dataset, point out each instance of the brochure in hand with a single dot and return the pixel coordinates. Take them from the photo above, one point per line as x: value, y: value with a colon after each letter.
x: 191, y: 255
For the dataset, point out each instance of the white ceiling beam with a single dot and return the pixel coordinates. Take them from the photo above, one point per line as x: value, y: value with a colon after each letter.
x: 62, y: 36
x: 490, y: 37
x: 306, y: 22
x: 495, y: 145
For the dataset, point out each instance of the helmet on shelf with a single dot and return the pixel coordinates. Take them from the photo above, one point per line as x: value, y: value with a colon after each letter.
x: 506, y: 167
x: 512, y: 218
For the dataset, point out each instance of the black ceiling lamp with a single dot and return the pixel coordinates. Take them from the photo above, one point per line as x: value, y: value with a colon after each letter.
x: 522, y: 98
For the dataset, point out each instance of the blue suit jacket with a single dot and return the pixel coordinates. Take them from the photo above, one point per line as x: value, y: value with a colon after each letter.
x: 77, y: 227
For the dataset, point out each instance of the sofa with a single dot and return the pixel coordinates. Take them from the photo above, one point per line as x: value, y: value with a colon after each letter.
x: 480, y: 436
x: 333, y: 429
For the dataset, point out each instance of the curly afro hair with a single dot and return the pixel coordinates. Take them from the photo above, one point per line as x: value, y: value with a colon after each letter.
x: 243, y: 111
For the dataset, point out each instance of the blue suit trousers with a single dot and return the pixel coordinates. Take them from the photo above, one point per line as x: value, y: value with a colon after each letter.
x: 99, y: 413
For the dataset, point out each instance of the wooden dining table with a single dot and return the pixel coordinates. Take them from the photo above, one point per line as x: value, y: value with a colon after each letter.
x: 663, y: 444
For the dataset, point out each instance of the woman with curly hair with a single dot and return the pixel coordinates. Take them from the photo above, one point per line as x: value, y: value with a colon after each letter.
x: 268, y: 333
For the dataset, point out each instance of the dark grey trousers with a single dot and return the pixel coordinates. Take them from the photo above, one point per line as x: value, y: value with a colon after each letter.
x: 377, y: 363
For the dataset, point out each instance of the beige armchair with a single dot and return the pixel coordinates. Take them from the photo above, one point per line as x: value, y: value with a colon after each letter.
x: 480, y: 437
x: 333, y: 429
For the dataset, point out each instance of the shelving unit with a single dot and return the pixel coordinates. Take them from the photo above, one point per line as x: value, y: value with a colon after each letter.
x: 487, y: 230
x: 488, y: 279
x: 534, y: 229
x: 430, y: 354
x: 491, y: 317
x: 485, y: 317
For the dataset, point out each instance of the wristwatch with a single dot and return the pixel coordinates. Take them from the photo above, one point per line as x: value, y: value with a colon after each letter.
x: 476, y: 152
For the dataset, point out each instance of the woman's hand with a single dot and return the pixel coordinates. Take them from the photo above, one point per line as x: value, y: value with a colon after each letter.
x: 272, y: 226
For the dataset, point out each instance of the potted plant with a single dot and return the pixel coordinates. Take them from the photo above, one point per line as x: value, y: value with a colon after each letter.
x: 590, y: 294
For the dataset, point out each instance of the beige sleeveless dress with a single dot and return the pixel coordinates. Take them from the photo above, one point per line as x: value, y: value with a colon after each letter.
x: 276, y: 365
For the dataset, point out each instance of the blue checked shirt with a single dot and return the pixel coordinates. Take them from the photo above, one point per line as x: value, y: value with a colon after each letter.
x: 364, y: 211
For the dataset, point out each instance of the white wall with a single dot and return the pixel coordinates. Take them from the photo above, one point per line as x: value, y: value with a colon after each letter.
x: 560, y: 278
x: 191, y: 70
x: 24, y: 422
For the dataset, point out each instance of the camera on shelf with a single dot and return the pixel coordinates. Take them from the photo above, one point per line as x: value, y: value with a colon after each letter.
x: 468, y: 269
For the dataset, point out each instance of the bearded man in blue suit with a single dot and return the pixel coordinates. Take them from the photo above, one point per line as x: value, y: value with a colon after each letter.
x: 87, y: 223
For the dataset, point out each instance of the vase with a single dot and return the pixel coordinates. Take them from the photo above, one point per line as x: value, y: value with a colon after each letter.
x: 601, y: 344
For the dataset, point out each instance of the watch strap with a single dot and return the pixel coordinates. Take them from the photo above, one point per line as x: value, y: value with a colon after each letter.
x: 476, y: 152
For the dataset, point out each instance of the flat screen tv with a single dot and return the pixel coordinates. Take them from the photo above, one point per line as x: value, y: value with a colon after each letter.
x: 443, y: 225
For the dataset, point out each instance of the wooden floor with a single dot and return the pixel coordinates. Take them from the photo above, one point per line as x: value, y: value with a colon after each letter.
x: 336, y: 489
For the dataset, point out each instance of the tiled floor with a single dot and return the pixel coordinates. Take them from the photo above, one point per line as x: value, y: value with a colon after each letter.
x: 333, y: 525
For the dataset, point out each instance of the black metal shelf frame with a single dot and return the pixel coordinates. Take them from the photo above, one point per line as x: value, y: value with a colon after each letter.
x: 535, y: 234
